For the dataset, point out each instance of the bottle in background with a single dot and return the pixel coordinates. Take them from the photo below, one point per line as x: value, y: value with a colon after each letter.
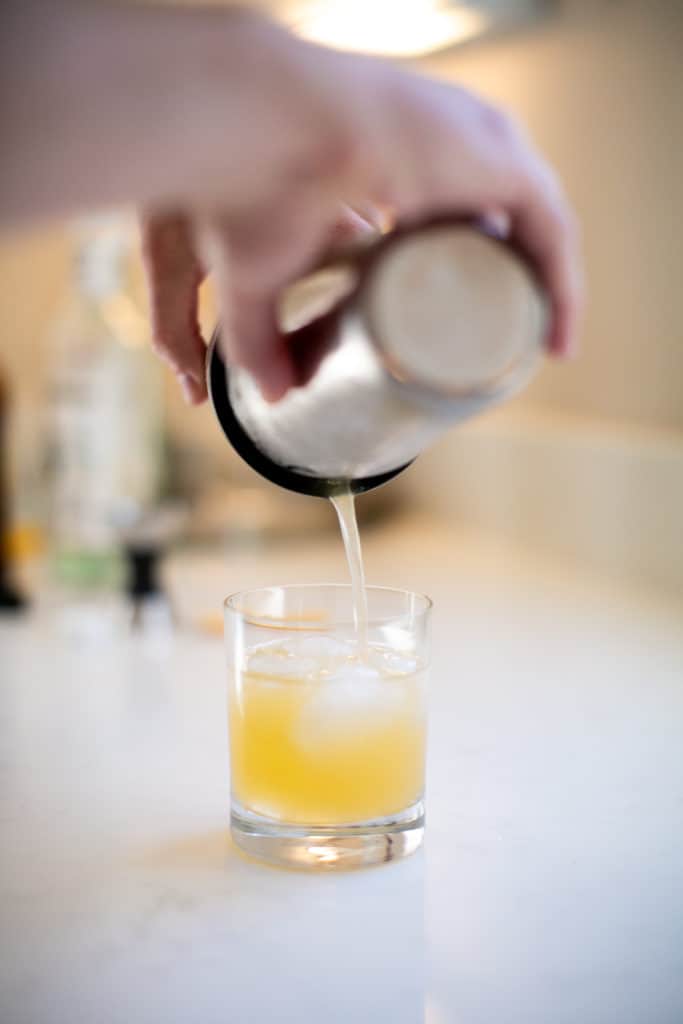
x: 105, y: 433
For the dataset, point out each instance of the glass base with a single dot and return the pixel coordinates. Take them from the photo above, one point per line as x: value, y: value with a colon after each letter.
x: 329, y: 847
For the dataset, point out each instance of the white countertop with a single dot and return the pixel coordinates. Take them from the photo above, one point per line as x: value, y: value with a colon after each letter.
x: 550, y: 890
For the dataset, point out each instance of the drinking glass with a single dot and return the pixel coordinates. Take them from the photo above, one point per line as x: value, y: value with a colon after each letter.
x: 327, y: 730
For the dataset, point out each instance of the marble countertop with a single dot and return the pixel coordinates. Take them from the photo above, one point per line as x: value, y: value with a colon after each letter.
x: 550, y: 888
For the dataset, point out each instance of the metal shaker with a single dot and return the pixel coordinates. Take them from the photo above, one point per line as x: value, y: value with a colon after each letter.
x: 393, y: 344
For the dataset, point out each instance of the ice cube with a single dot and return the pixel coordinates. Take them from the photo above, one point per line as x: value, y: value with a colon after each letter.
x: 354, y: 676
x: 354, y: 701
x: 319, y: 646
x: 276, y: 665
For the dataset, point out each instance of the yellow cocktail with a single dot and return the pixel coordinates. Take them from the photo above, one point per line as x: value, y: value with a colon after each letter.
x: 327, y: 736
x: 327, y: 724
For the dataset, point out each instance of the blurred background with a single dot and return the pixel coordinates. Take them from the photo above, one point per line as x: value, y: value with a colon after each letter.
x: 586, y: 466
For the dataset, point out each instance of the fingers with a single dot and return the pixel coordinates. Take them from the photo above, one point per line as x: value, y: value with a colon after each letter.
x: 249, y: 337
x: 173, y: 277
x: 260, y: 347
x: 252, y: 260
x: 544, y: 226
x: 441, y: 148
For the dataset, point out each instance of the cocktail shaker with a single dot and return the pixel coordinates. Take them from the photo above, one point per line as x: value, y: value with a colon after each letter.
x: 393, y: 343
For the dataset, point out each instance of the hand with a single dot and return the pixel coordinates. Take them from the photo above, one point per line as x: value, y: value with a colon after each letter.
x: 346, y: 129
x: 175, y: 272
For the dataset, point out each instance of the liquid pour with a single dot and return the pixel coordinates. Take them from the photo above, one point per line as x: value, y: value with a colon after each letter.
x: 345, y: 507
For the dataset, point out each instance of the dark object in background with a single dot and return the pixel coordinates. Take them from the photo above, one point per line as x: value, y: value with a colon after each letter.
x: 11, y: 598
x: 142, y: 585
x: 145, y: 535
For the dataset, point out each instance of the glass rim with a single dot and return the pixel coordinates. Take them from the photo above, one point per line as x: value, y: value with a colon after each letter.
x: 256, y: 620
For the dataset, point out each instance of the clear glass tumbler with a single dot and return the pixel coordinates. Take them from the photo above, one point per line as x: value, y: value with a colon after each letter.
x: 327, y: 733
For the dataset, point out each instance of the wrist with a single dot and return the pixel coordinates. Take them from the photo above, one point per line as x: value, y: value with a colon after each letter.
x: 108, y: 105
x: 260, y: 112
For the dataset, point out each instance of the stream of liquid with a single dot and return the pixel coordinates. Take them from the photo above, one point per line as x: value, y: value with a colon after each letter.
x: 345, y: 507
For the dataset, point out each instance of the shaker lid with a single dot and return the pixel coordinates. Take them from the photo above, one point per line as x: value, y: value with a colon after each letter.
x: 454, y: 309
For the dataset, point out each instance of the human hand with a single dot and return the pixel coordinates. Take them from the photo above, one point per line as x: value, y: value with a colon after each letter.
x: 346, y: 129
x: 175, y: 273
